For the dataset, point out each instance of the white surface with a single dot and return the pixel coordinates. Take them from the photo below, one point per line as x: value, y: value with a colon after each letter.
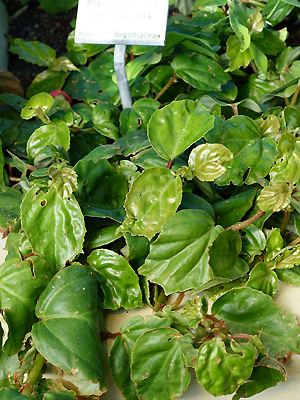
x: 122, y: 22
x: 288, y: 297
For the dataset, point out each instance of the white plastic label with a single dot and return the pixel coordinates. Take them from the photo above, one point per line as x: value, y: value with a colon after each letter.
x: 122, y: 22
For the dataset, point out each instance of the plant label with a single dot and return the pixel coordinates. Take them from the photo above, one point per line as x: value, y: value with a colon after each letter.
x: 124, y: 22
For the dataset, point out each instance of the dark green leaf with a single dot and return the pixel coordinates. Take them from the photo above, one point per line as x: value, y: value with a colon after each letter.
x: 10, y: 201
x: 158, y: 365
x: 119, y: 363
x: 250, y: 311
x: 261, y: 379
x: 291, y: 276
x: 253, y: 155
x: 18, y: 294
x: 232, y: 210
x: 68, y: 333
x: 47, y: 81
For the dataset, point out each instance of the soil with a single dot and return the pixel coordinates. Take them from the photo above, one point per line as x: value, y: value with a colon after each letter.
x: 30, y: 22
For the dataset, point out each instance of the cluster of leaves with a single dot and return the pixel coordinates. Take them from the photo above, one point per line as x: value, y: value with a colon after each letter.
x: 195, y: 189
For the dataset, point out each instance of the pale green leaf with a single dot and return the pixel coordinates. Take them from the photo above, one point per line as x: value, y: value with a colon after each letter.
x: 274, y: 197
x: 37, y: 104
x: 237, y: 58
x: 238, y: 16
x: 221, y: 371
x: 152, y: 199
x: 206, y: 161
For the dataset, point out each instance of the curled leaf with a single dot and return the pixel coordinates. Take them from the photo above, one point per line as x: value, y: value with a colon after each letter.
x: 152, y: 199
x: 206, y: 161
x: 38, y: 104
x: 221, y: 371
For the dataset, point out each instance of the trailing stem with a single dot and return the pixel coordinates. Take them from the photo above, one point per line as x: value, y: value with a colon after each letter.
x: 243, y: 224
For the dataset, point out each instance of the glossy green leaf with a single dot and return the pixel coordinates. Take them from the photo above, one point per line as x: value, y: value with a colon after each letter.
x: 119, y: 363
x: 254, y: 155
x: 38, y: 104
x: 261, y: 379
x: 199, y: 71
x: 52, y: 134
x: 274, y: 197
x: 18, y: 294
x: 260, y: 59
x: 158, y: 365
x: 67, y: 334
x: 54, y: 226
x: 232, y: 210
x: 220, y: 371
x: 264, y: 279
x: 152, y: 199
x: 274, y: 244
x: 184, y: 257
x: 206, y: 161
x: 105, y: 120
x: 135, y: 67
x: 63, y: 64
x: 33, y: 52
x: 254, y: 241
x: 246, y: 310
x: 47, y: 81
x: 177, y: 126
x: 145, y: 107
x: 10, y: 200
x: 118, y: 280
